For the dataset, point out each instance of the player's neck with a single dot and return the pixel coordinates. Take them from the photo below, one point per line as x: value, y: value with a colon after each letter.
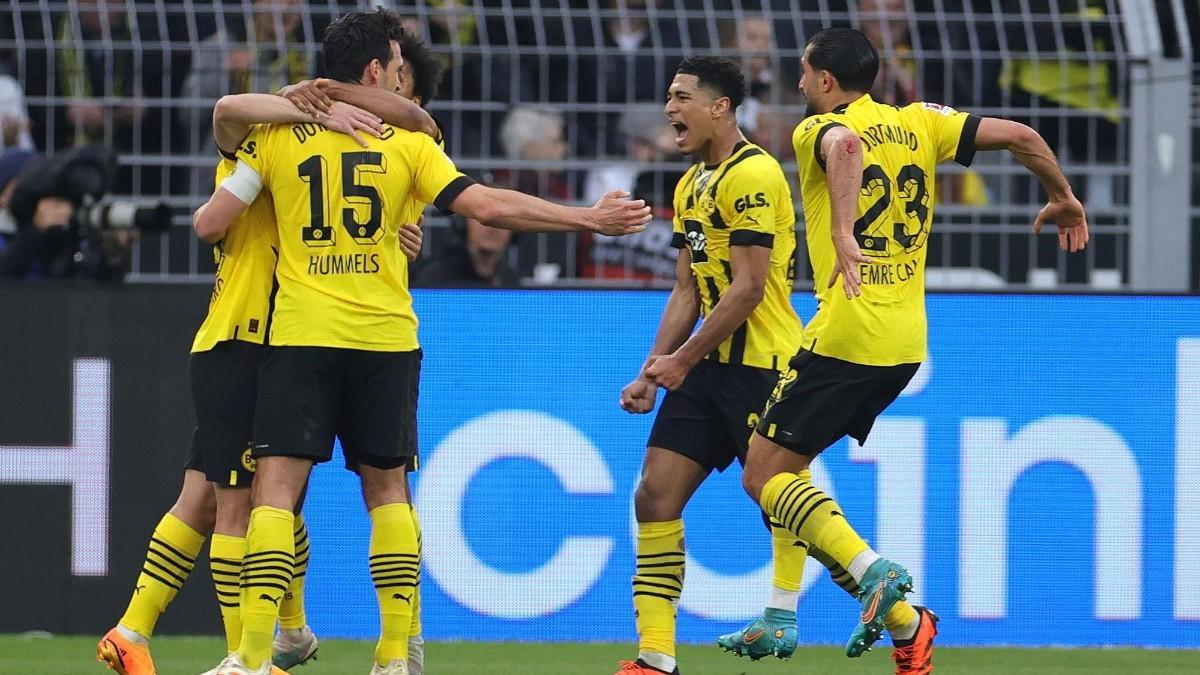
x: 841, y: 99
x: 720, y: 148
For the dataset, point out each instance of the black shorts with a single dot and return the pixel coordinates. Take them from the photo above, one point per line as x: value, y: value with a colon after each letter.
x: 710, y: 417
x: 224, y: 385
x: 819, y: 399
x: 309, y: 395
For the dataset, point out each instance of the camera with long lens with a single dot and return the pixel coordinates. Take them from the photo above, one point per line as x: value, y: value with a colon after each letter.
x: 95, y: 240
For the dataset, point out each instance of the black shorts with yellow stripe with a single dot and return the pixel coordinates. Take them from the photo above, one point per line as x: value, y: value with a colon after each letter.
x: 224, y: 383
x: 820, y: 399
x: 710, y: 416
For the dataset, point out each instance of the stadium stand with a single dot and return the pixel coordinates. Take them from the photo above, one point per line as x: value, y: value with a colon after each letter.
x: 1097, y: 77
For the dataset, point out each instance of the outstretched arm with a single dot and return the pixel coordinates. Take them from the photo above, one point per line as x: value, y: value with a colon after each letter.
x: 1031, y: 150
x: 512, y: 210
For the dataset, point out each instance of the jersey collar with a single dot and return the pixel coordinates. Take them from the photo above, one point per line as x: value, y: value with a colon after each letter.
x: 846, y: 106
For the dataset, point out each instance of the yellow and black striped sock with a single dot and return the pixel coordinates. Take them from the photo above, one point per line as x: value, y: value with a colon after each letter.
x: 394, y: 567
x: 266, y: 573
x: 839, y: 574
x: 810, y: 514
x: 170, y: 558
x: 658, y: 584
x: 414, y: 627
x: 225, y: 560
x: 291, y: 609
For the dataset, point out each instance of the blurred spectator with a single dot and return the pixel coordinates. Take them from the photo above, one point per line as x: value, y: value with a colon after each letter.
x: 1048, y: 84
x: 14, y: 118
x: 886, y: 25
x: 261, y: 51
x: 647, y: 139
x: 751, y: 41
x: 648, y: 254
x: 91, y: 69
x: 108, y: 63
x: 634, y: 68
x: 470, y: 76
x: 475, y: 256
x: 535, y: 135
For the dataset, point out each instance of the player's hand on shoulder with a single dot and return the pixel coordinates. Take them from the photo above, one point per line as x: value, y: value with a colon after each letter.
x: 347, y: 119
x: 615, y: 214
x: 411, y: 237
x: 1068, y: 216
x: 638, y: 396
x: 849, y: 257
x: 307, y: 96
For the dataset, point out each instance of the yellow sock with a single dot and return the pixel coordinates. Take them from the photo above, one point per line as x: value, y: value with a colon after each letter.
x: 902, y: 621
x: 787, y: 557
x: 394, y: 567
x: 266, y: 573
x: 291, y: 608
x: 414, y: 627
x: 225, y: 560
x: 657, y: 584
x: 810, y: 514
x: 170, y: 558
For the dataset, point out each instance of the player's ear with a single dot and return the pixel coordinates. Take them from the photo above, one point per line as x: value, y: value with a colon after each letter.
x: 720, y: 106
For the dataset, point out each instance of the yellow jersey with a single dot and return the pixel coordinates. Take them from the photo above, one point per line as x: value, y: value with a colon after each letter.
x: 245, y: 260
x: 342, y: 278
x: 886, y: 325
x: 743, y: 201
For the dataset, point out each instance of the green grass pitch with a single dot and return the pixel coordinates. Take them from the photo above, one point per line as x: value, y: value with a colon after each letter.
x: 188, y: 656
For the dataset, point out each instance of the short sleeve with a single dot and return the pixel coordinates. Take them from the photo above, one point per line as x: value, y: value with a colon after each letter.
x: 254, y: 150
x: 435, y: 178
x: 806, y: 141
x: 747, y: 202
x: 951, y: 130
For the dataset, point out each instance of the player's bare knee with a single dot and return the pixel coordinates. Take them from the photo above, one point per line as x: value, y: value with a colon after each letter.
x: 654, y: 501
x: 279, y: 481
x: 383, y: 486
x: 233, y: 511
x: 195, y: 505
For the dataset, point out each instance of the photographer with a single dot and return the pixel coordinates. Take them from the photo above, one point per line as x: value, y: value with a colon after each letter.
x: 59, y: 231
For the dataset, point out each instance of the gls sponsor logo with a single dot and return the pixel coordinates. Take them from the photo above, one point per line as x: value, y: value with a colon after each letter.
x: 741, y: 204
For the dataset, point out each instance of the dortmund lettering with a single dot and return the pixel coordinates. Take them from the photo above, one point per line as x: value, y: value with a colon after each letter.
x: 880, y: 134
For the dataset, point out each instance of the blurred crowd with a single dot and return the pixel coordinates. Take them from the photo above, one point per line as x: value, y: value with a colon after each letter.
x: 561, y: 99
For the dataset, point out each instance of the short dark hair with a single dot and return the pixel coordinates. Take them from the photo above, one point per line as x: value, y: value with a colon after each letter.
x: 720, y: 74
x: 356, y: 39
x: 846, y: 53
x: 426, y: 66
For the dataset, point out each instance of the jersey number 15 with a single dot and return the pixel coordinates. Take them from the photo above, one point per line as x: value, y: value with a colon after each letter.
x: 313, y: 171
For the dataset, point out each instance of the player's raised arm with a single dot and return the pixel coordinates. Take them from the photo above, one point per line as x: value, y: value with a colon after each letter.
x: 1031, y: 150
x: 841, y: 150
x: 613, y: 214
x: 236, y: 113
x: 393, y: 108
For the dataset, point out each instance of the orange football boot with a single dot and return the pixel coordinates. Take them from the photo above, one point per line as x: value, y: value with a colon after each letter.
x: 915, y: 656
x: 124, y: 656
x: 639, y: 667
